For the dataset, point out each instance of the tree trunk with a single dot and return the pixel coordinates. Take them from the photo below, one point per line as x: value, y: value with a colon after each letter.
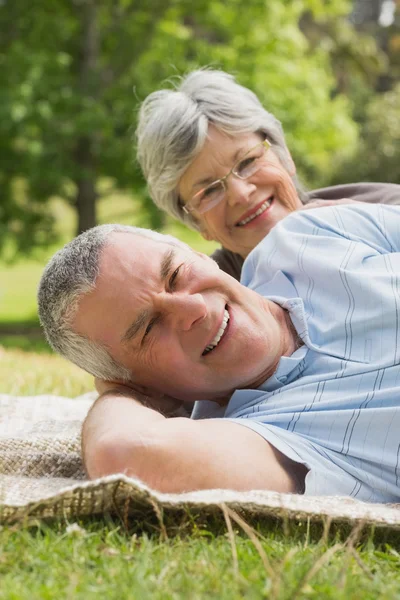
x: 86, y: 205
x: 86, y: 193
x: 85, y: 158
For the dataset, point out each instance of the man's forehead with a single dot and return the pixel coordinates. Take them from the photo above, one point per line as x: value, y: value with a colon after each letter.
x: 139, y: 241
x: 125, y: 249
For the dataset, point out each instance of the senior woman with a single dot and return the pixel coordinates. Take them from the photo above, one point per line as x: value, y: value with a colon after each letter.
x: 215, y: 159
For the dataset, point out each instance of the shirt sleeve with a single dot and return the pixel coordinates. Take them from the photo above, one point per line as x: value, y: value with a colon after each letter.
x: 325, y: 477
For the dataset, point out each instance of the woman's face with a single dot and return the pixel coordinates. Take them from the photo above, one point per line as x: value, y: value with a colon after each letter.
x: 251, y: 207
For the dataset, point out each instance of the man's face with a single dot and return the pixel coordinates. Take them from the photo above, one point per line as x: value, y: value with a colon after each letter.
x: 183, y: 327
x: 251, y: 207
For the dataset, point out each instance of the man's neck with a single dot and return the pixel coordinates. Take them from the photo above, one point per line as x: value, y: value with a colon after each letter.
x: 294, y: 341
x: 290, y: 341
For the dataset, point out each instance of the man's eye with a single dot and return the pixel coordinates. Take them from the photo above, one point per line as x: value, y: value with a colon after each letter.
x: 149, y: 328
x: 173, y: 279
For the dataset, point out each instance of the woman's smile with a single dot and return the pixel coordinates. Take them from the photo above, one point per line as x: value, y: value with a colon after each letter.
x: 252, y: 205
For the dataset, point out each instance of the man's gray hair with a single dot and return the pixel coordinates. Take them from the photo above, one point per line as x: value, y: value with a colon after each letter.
x: 173, y: 126
x: 70, y: 274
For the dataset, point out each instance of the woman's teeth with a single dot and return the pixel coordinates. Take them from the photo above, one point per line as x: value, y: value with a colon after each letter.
x: 263, y: 207
x: 219, y: 335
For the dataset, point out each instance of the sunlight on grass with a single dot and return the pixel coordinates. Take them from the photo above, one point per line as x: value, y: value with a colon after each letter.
x: 26, y: 342
x: 19, y: 280
x: 18, y: 291
x: 27, y: 373
x: 192, y: 238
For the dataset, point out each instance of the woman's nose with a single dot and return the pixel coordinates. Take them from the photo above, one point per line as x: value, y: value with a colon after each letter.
x: 239, y: 191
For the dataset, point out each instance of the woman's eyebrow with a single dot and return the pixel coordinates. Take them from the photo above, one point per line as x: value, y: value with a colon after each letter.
x: 202, y: 183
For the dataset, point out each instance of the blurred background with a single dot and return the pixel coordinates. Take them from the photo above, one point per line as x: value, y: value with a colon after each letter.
x: 75, y: 71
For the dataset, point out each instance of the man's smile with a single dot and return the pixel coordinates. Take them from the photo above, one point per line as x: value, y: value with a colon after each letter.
x: 220, y: 333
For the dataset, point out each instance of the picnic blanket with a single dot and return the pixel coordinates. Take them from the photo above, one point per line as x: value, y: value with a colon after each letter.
x: 42, y: 476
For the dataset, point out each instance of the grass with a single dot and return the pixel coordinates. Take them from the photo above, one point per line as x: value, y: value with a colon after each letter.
x: 110, y: 558
x: 29, y: 373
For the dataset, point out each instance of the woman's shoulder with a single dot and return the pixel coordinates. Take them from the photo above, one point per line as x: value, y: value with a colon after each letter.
x: 371, y: 192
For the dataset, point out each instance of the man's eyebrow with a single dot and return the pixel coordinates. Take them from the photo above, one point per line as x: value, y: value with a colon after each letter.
x: 166, y: 263
x: 143, y: 317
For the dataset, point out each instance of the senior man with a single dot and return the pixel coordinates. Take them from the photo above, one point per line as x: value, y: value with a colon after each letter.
x: 297, y: 374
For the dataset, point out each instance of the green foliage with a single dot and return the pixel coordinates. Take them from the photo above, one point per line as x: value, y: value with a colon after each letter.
x: 267, y: 51
x: 378, y: 154
x: 74, y: 73
x: 370, y: 73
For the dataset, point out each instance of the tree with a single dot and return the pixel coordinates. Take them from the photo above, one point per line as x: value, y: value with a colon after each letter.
x: 67, y: 105
x: 378, y: 154
x: 76, y: 69
x: 376, y: 99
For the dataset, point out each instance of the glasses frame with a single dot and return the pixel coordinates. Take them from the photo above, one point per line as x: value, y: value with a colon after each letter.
x: 188, y: 209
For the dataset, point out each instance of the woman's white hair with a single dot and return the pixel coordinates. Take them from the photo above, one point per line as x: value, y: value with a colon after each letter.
x: 70, y: 274
x: 173, y: 126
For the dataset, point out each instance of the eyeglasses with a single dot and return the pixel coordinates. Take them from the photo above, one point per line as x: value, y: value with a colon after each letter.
x: 214, y: 193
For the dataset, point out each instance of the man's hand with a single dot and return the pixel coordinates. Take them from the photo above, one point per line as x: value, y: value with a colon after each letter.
x: 321, y: 203
x: 166, y: 405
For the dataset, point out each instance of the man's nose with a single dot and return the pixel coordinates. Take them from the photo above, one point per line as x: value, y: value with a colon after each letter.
x: 239, y: 191
x: 184, y: 310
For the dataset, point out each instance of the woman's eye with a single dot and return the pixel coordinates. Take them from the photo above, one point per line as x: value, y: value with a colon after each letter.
x: 245, y: 163
x: 173, y: 278
x: 211, y: 190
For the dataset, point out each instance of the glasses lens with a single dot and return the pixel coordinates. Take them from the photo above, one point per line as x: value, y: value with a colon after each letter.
x: 208, y: 197
x: 251, y: 162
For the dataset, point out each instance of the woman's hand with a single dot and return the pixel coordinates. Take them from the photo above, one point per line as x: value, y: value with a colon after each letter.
x: 166, y: 405
x: 320, y: 203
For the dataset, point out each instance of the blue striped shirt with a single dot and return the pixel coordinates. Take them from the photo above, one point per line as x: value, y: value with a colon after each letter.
x: 333, y: 405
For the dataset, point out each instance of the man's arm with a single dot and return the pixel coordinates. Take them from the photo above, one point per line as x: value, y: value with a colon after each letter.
x: 176, y: 455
